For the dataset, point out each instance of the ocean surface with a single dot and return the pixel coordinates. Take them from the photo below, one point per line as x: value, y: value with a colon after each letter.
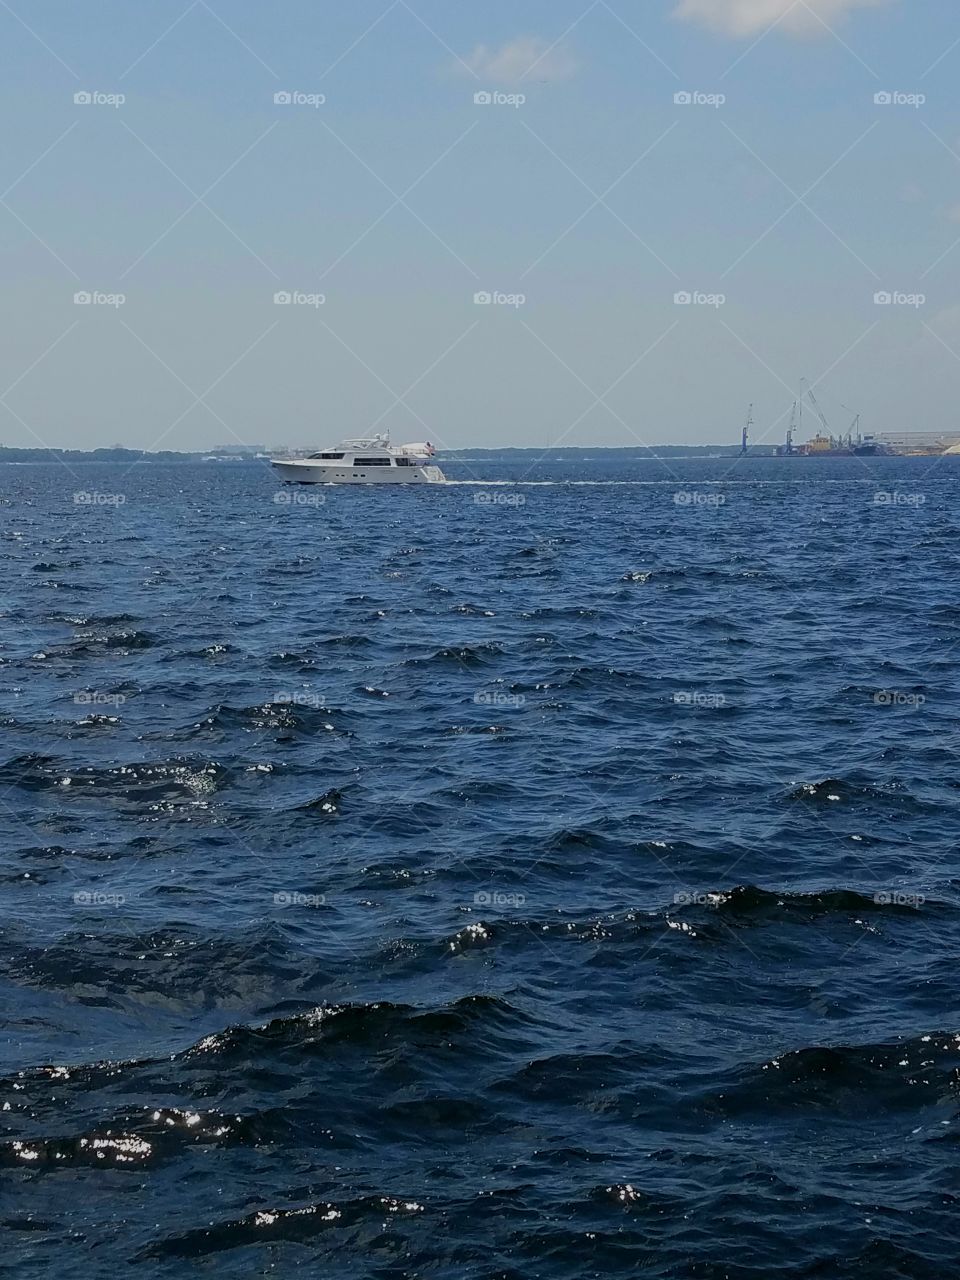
x: 502, y: 881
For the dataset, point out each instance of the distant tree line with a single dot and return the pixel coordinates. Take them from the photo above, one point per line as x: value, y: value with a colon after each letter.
x: 129, y: 456
x: 115, y: 454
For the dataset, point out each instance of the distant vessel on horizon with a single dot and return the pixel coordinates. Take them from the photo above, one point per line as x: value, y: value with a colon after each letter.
x: 368, y: 460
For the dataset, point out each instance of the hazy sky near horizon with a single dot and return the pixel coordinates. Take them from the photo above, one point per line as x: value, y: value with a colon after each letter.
x: 784, y: 197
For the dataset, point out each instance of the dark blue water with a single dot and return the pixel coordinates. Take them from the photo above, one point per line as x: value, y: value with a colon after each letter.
x: 429, y: 884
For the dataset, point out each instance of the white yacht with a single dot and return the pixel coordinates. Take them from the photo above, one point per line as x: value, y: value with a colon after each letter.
x: 373, y: 460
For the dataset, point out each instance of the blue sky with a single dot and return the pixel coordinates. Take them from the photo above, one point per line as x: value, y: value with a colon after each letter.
x: 597, y: 199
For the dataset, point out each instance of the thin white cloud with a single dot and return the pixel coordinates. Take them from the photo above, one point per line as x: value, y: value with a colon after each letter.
x: 526, y: 57
x: 745, y: 18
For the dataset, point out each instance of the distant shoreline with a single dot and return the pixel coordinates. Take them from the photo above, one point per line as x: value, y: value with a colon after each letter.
x: 559, y: 454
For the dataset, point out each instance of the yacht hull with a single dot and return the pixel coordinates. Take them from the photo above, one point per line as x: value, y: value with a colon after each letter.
x: 307, y: 472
